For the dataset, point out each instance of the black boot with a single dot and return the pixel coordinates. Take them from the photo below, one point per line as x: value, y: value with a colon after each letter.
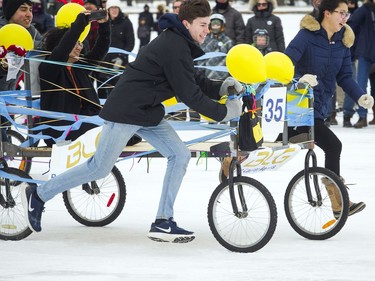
x: 347, y: 123
x: 372, y: 122
x: 362, y: 122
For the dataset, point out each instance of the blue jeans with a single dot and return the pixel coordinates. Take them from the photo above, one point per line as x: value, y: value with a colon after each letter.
x: 112, y: 141
x: 349, y: 103
x: 364, y: 66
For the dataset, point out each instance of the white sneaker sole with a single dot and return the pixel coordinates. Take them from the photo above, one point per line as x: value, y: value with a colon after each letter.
x: 171, y: 238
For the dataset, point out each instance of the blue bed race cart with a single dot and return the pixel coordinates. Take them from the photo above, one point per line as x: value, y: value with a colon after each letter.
x: 242, y: 213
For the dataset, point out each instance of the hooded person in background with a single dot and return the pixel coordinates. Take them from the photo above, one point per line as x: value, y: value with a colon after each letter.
x: 234, y: 23
x: 41, y: 19
x: 264, y: 19
x: 145, y: 25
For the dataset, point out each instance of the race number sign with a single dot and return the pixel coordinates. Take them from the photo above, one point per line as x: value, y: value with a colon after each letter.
x: 273, y: 111
x: 67, y: 155
x: 269, y: 159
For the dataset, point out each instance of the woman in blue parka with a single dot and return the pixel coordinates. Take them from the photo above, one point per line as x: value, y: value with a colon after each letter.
x: 321, y: 55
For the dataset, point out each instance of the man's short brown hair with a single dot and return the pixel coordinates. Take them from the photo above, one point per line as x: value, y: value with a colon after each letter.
x: 192, y: 9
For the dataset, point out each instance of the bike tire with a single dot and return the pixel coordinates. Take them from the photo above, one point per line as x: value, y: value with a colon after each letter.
x: 98, y: 206
x: 13, y: 224
x: 314, y: 221
x: 254, y: 228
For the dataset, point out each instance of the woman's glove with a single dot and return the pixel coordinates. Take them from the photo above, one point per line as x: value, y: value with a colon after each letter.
x: 366, y: 101
x: 234, y: 109
x: 229, y: 83
x: 309, y: 79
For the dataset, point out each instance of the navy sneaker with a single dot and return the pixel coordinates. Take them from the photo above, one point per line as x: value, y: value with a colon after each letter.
x: 33, y: 207
x: 168, y: 231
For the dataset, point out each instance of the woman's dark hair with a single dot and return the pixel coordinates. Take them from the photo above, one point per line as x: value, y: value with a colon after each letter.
x: 330, y: 6
x: 192, y: 9
x: 52, y: 38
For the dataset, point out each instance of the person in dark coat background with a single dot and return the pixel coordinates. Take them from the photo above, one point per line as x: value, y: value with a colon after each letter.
x: 163, y: 69
x: 234, y: 23
x: 321, y: 55
x: 122, y: 37
x: 263, y: 19
x: 41, y: 19
x: 69, y: 89
x: 145, y: 26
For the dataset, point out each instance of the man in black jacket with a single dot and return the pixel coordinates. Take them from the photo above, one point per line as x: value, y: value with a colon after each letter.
x: 163, y: 69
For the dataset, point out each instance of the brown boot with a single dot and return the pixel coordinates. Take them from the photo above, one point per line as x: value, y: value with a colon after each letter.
x: 362, y: 122
x: 332, y: 119
x: 224, y: 171
x: 334, y: 196
x: 372, y: 122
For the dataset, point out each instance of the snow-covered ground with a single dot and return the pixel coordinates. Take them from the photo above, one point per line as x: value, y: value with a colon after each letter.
x: 66, y: 250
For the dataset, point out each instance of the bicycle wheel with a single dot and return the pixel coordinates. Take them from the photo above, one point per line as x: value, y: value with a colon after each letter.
x: 99, y: 202
x: 315, y: 220
x: 13, y: 225
x: 21, y: 163
x: 252, y: 227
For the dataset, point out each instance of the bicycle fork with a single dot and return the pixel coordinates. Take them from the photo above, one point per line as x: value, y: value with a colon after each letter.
x: 236, y: 165
x: 311, y: 155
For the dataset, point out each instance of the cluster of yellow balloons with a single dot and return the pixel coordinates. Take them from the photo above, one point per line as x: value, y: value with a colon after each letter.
x: 247, y: 64
x: 67, y: 14
x: 15, y: 34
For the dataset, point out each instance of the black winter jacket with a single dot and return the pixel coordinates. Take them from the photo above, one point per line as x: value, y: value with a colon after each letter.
x: 266, y: 20
x: 56, y: 79
x: 163, y: 69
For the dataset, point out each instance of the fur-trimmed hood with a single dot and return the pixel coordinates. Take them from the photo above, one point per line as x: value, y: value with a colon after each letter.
x: 310, y: 23
x: 252, y: 3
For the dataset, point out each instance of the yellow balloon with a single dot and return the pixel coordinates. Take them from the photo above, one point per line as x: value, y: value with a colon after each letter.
x: 67, y: 14
x: 15, y: 34
x: 246, y: 64
x: 223, y: 100
x: 279, y: 67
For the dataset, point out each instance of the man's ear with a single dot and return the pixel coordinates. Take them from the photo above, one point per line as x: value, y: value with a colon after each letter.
x: 186, y: 24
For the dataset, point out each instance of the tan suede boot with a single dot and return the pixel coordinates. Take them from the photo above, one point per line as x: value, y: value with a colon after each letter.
x: 224, y: 171
x: 334, y: 196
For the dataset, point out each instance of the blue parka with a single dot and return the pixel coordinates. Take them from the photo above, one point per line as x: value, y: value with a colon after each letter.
x: 313, y: 53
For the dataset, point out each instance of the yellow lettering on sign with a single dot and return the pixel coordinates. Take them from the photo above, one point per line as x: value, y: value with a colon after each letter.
x: 260, y: 157
x: 75, y: 157
x: 283, y: 156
